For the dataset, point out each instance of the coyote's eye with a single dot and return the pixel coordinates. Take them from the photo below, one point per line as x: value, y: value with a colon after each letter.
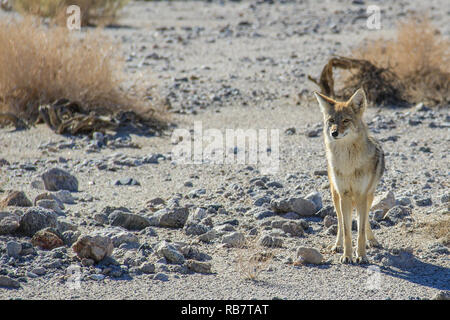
x: 331, y: 120
x: 346, y: 121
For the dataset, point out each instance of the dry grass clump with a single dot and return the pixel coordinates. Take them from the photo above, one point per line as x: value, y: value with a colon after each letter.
x: 251, y: 259
x: 413, y: 67
x: 419, y: 56
x: 93, y: 12
x: 40, y: 66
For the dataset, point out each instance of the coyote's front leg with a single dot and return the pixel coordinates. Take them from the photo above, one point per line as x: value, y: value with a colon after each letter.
x: 346, y: 211
x: 361, y: 209
x: 337, y: 247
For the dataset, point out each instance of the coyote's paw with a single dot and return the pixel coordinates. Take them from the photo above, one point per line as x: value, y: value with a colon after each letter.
x: 335, y: 248
x: 345, y: 259
x: 373, y: 243
x: 362, y: 259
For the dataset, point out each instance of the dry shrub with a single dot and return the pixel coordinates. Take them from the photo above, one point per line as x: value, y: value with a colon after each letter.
x: 420, y: 57
x: 251, y: 260
x: 41, y: 66
x: 413, y: 67
x: 381, y: 85
x: 93, y: 12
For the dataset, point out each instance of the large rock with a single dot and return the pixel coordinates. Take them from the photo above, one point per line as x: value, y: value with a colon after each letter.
x: 35, y: 219
x: 93, y: 246
x: 293, y: 228
x: 16, y: 198
x: 7, y: 282
x: 199, y: 267
x: 13, y: 248
x: 50, y: 205
x: 47, y: 239
x: 384, y: 202
x: 170, y: 253
x: 9, y: 223
x: 129, y: 221
x: 57, y: 179
x: 118, y: 236
x: 174, y: 217
x: 234, y: 239
x: 397, y: 213
x: 194, y: 225
x: 316, y: 198
x: 301, y: 206
x: 267, y: 240
x: 309, y: 255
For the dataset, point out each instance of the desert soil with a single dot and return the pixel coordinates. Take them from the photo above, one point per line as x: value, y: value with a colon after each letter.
x: 236, y: 65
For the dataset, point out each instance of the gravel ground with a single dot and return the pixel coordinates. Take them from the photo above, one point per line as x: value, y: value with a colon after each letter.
x: 189, y: 231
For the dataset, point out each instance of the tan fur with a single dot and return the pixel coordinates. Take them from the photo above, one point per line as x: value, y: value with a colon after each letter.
x: 355, y: 166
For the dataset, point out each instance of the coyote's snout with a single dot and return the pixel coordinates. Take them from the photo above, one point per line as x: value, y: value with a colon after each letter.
x: 355, y: 165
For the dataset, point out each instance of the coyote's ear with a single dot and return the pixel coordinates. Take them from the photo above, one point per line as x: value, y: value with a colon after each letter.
x: 326, y: 104
x: 358, y: 101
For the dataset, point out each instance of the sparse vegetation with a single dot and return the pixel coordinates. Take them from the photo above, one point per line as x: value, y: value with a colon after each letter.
x: 419, y: 56
x: 412, y: 67
x: 43, y: 65
x: 251, y: 259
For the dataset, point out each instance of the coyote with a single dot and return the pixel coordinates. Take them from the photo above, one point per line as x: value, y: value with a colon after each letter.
x: 355, y: 166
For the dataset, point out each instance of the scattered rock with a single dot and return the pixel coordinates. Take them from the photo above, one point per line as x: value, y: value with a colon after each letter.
x: 424, y: 202
x: 397, y: 213
x: 209, y: 236
x: 93, y: 246
x: 316, y: 198
x: 234, y: 239
x: 57, y: 179
x: 147, y: 268
x: 300, y: 206
x: 9, y: 223
x: 35, y: 219
x: 40, y: 271
x: 16, y: 198
x: 445, y: 198
x: 161, y: 277
x: 332, y: 230
x: 64, y: 196
x: 118, y: 236
x: 269, y: 241
x: 46, y: 239
x: 260, y: 214
x: 320, y: 172
x: 170, y: 253
x: 127, y: 182
x: 13, y: 248
x: 50, y: 205
x: 328, y: 221
x: 174, y: 217
x: 309, y: 255
x: 326, y: 211
x: 198, y: 266
x: 384, y: 202
x: 129, y: 221
x: 293, y: 228
x: 7, y: 282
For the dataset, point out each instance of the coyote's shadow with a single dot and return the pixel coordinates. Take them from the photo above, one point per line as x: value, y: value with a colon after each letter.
x: 407, y: 267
